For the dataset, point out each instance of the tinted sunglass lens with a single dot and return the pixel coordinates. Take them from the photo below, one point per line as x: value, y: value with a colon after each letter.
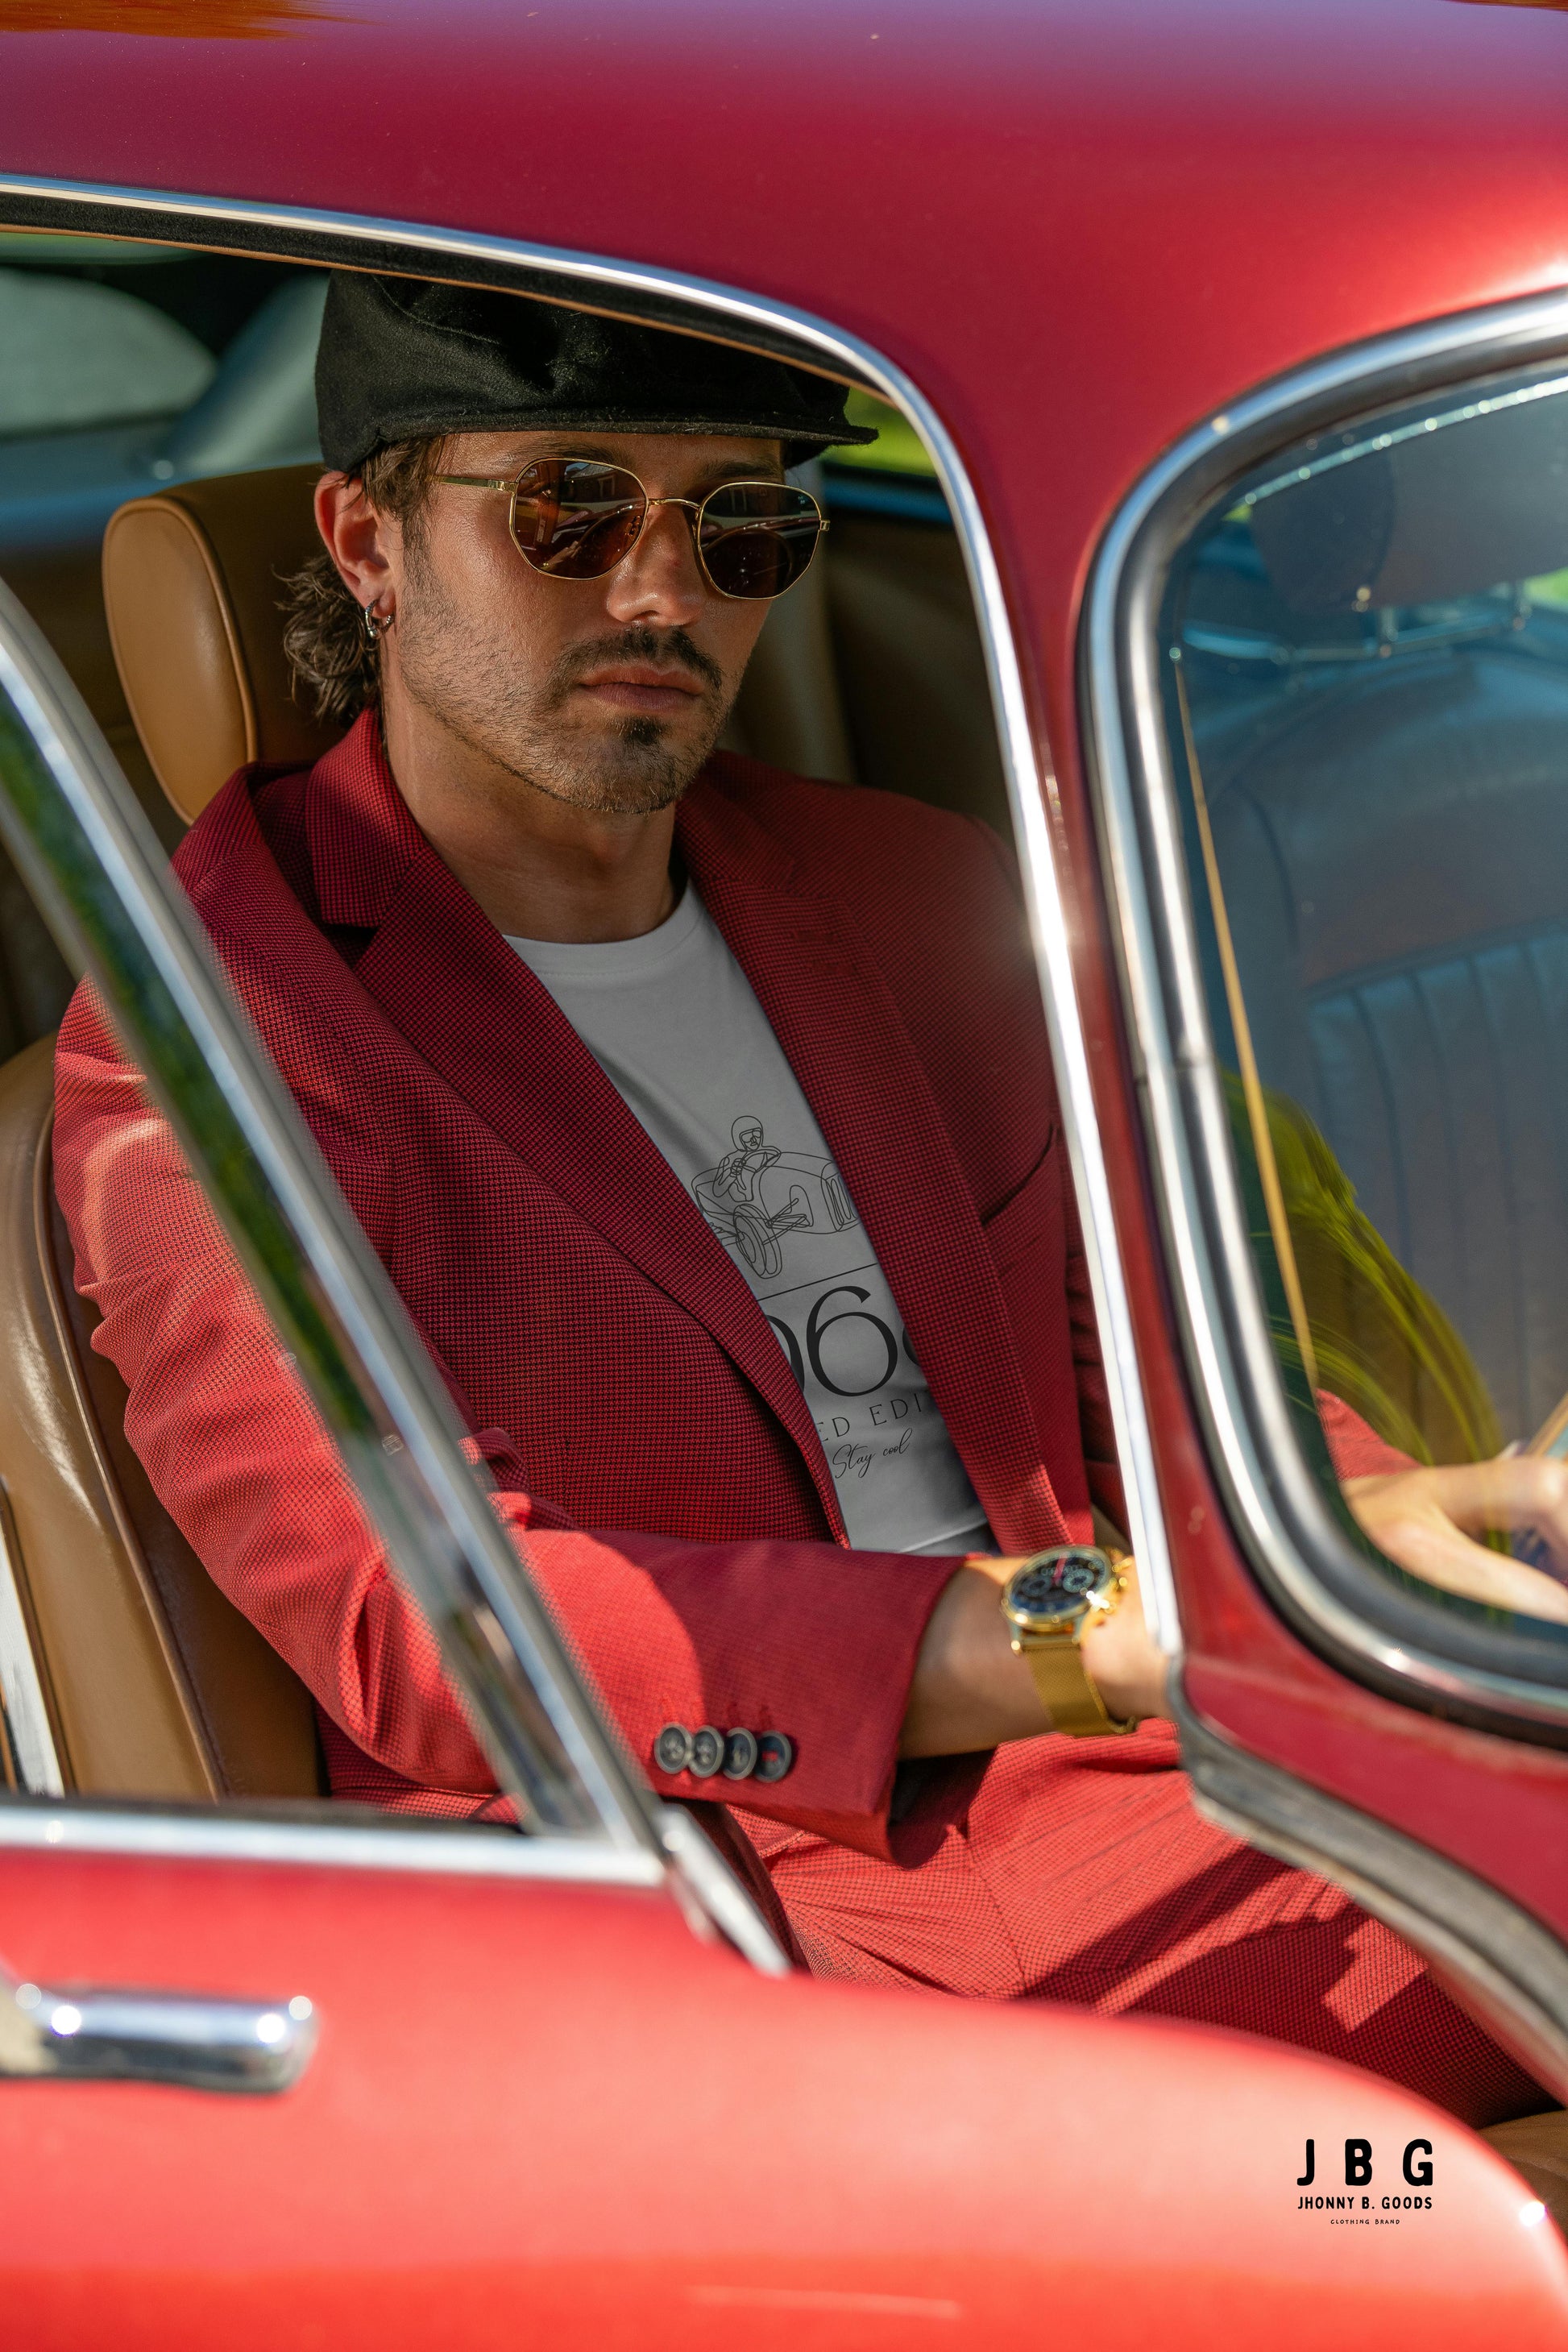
x: 575, y: 519
x: 757, y: 538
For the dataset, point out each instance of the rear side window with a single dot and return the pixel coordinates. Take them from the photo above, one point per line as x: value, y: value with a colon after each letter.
x: 1363, y: 661
x: 174, y: 364
x: 125, y: 367
x: 74, y: 354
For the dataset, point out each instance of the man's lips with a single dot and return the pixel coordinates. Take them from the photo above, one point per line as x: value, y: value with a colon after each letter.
x: 638, y: 686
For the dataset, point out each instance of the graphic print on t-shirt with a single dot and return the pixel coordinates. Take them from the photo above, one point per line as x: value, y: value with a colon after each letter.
x: 673, y: 1023
x: 758, y: 1194
x: 788, y: 1217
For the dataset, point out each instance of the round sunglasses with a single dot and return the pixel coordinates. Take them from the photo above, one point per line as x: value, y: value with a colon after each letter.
x: 577, y: 518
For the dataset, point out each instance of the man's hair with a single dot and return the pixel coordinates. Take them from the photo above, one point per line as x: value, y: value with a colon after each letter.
x: 335, y: 666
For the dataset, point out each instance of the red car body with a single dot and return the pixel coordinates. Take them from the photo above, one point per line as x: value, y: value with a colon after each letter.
x: 547, y: 2113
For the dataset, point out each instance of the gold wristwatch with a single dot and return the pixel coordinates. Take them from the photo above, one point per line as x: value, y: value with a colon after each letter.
x: 1049, y: 1604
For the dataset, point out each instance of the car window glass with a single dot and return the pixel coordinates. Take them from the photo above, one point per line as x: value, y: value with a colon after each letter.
x: 898, y: 448
x: 74, y: 354
x: 123, y: 368
x: 1366, y: 688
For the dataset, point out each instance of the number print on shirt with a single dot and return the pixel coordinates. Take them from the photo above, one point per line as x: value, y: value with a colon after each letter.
x: 776, y: 1209
x: 818, y: 1325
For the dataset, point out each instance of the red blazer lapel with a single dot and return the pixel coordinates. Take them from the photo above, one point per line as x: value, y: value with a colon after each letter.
x: 837, y: 1020
x: 468, y: 1005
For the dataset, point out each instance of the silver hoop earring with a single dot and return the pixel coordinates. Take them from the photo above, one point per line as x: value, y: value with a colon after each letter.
x: 376, y: 625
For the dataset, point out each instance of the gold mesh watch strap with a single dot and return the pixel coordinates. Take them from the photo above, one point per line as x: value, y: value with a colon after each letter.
x: 1066, y: 1690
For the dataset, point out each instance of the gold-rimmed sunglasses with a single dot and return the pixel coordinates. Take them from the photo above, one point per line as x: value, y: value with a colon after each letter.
x: 577, y: 518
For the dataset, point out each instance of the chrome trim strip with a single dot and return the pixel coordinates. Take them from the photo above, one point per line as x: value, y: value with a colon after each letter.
x: 1235, y: 1371
x: 224, y: 1836
x: 1514, y: 1969
x: 1522, y: 396
x: 1031, y: 788
x: 22, y: 1701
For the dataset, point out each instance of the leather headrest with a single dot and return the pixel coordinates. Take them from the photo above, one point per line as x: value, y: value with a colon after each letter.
x: 191, y: 585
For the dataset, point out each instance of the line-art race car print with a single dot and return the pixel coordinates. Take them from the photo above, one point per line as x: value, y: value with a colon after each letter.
x: 757, y: 1193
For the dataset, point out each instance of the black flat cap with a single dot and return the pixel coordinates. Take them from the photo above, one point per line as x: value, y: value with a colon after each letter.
x: 401, y: 358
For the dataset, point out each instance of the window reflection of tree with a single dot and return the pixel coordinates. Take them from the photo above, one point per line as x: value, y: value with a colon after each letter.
x: 1379, y: 1340
x: 1356, y: 1323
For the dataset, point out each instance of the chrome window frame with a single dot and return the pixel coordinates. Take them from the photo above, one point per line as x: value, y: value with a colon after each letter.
x: 704, y: 306
x: 1446, y: 1661
x: 27, y: 1724
x: 328, y: 238
x: 279, y: 1835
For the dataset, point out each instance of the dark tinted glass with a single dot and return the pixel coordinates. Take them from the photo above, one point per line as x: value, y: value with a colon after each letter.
x: 575, y: 519
x: 1366, y: 673
x: 757, y: 538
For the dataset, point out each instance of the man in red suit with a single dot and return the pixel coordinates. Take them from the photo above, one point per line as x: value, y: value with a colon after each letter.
x: 703, y: 1117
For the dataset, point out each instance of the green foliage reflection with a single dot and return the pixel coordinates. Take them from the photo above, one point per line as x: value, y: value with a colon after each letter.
x: 1383, y: 1344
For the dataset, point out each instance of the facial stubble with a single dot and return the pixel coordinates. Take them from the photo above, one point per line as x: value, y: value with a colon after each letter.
x: 468, y: 681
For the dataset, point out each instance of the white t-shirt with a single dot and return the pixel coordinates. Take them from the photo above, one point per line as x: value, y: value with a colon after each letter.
x: 672, y: 1021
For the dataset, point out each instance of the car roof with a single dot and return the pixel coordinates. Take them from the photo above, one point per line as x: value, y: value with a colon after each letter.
x: 1079, y: 225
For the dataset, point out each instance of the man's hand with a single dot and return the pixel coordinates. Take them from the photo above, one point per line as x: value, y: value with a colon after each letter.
x: 970, y: 1691
x: 1426, y: 1520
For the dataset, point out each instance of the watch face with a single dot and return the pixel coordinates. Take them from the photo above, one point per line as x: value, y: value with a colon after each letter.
x: 1058, y: 1590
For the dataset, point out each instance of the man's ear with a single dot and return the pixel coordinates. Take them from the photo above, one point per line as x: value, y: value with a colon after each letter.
x: 359, y: 541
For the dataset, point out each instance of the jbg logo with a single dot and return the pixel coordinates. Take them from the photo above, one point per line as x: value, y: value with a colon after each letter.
x: 1416, y: 2170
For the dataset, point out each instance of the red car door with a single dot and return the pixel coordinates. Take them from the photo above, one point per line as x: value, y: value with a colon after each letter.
x: 538, y: 2109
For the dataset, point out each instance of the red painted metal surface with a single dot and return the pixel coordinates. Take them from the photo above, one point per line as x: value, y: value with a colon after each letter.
x: 1078, y: 227
x: 545, y: 2116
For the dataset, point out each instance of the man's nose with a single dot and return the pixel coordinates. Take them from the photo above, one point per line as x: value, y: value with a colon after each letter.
x: 660, y: 580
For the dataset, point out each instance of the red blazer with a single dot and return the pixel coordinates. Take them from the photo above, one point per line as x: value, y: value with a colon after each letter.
x: 654, y: 1456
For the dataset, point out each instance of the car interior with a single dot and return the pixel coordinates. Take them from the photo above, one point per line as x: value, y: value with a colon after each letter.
x: 1376, y: 661
x: 157, y: 455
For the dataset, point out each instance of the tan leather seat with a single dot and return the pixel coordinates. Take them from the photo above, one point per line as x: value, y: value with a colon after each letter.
x: 790, y: 710
x: 911, y: 666
x: 191, y: 585
x: 155, y: 1685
